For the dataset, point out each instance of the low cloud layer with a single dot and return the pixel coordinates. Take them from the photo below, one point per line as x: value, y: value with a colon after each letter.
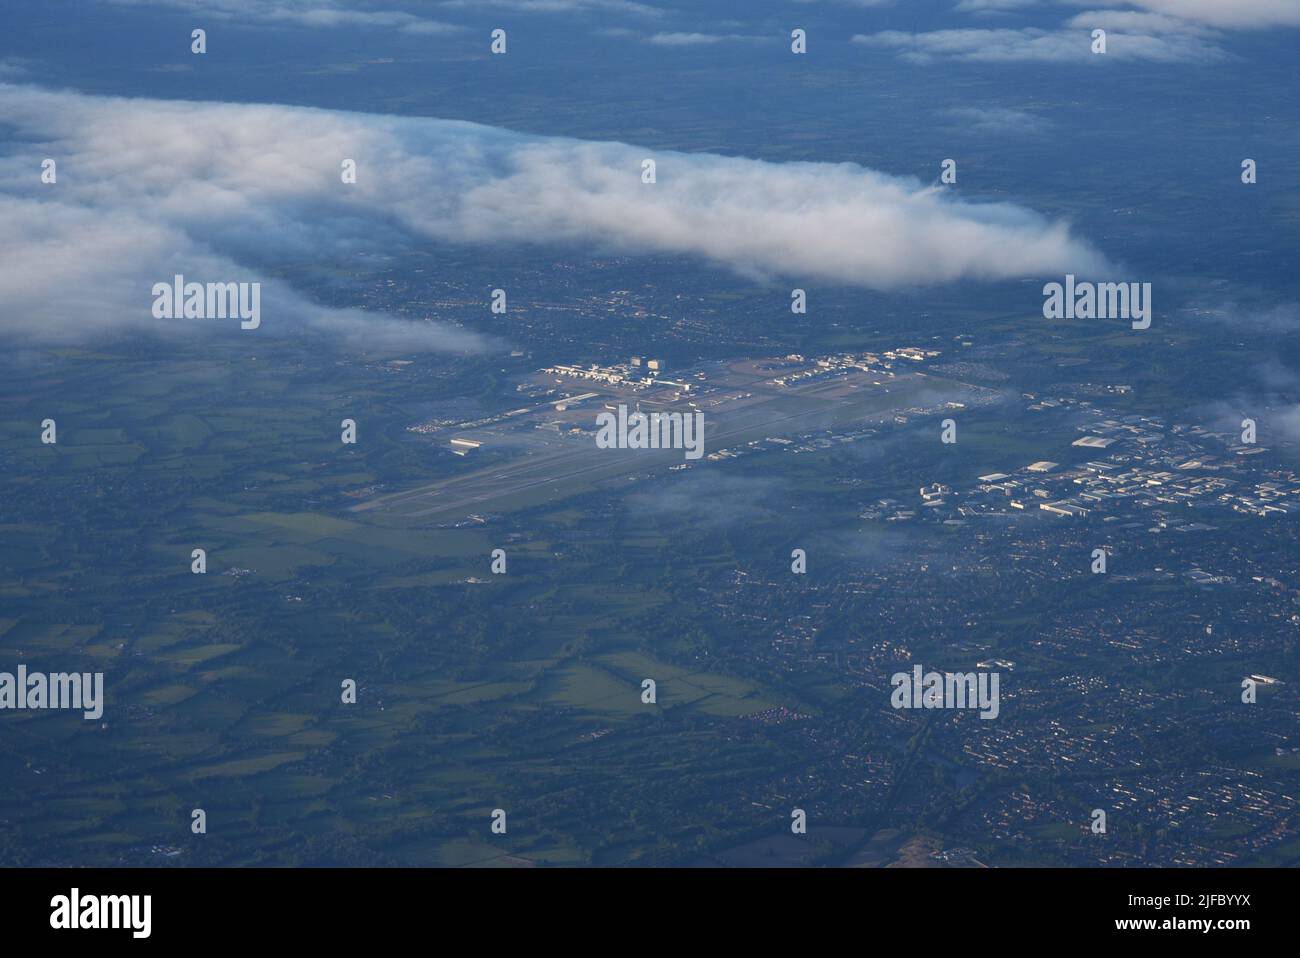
x: 556, y: 6
x: 151, y: 188
x: 1247, y: 14
x: 412, y: 16
x: 404, y: 16
x: 997, y: 121
x: 1229, y: 14
x: 702, y: 39
x: 302, y: 13
x: 1130, y: 36
x: 1159, y: 31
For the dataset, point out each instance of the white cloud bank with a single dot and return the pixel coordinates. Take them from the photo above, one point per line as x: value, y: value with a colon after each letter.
x: 998, y: 121
x: 150, y: 188
x: 1228, y: 14
x: 668, y: 39
x: 303, y: 13
x: 1160, y: 31
x: 404, y: 16
x: 557, y: 6
x: 1129, y: 36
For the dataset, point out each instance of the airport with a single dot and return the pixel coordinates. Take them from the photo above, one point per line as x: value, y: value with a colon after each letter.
x: 548, y: 450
